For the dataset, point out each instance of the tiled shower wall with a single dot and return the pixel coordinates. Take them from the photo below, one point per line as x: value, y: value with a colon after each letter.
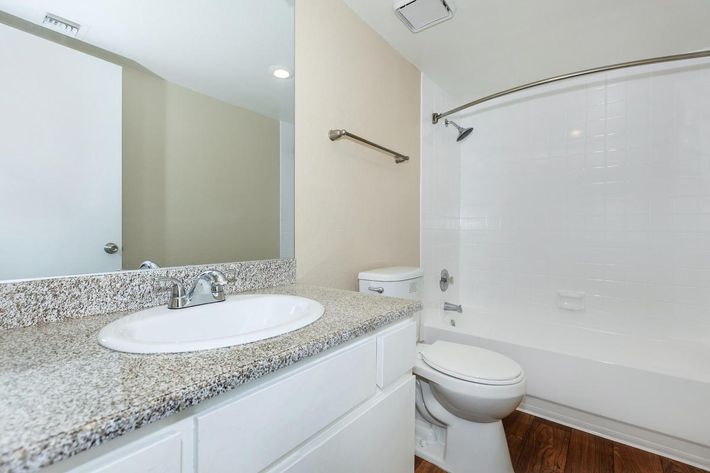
x: 440, y: 199
x: 587, y: 202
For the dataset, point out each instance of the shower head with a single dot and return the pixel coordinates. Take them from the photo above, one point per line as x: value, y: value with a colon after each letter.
x: 463, y: 132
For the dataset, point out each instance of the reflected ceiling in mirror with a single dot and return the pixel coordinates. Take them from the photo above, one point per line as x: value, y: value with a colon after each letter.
x: 157, y: 131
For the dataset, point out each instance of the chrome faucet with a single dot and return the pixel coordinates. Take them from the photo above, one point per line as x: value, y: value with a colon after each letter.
x: 207, y: 288
x: 453, y: 307
x: 148, y: 264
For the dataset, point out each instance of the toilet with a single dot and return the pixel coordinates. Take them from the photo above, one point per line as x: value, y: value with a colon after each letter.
x: 463, y: 392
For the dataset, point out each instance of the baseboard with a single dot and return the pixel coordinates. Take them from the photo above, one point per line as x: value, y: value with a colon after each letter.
x: 677, y: 449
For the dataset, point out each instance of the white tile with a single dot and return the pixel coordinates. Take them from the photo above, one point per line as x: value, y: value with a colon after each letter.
x: 605, y: 188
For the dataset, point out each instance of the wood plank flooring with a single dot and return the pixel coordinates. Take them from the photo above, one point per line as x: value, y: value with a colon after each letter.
x: 540, y: 446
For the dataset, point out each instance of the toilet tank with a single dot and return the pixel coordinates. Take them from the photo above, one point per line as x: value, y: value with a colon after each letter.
x: 394, y: 281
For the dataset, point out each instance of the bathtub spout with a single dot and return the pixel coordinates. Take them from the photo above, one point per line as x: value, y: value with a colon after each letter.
x: 453, y: 307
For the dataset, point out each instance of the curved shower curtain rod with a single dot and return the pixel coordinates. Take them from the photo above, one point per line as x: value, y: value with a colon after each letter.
x: 622, y: 65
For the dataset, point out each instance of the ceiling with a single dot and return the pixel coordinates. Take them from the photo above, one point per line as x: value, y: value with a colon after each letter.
x: 492, y: 45
x: 222, y: 48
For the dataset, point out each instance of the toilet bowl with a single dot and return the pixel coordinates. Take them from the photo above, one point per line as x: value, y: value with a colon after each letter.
x: 468, y: 391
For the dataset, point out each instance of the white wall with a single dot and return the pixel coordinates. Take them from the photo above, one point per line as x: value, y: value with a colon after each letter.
x: 598, y: 185
x: 60, y: 159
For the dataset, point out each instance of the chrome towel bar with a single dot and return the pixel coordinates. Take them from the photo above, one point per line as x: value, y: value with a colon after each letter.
x: 641, y: 62
x: 337, y: 134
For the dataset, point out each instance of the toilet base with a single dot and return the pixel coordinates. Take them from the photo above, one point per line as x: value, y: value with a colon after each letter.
x: 471, y: 448
x: 462, y: 446
x: 477, y: 448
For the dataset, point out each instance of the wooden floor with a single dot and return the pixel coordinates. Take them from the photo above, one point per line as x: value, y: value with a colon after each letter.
x: 540, y: 446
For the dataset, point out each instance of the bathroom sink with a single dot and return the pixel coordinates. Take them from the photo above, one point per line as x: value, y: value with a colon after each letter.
x: 239, y: 319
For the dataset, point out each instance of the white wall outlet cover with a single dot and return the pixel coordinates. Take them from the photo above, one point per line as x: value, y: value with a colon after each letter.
x: 419, y: 15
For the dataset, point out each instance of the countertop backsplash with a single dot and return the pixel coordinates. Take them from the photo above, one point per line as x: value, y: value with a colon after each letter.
x: 30, y: 302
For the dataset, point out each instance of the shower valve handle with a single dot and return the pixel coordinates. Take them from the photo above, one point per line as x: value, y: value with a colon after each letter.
x: 445, y: 280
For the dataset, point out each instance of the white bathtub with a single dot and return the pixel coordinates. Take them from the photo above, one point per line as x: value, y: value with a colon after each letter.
x: 651, y: 393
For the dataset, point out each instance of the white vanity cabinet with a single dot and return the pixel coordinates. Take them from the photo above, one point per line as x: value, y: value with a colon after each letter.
x: 349, y: 409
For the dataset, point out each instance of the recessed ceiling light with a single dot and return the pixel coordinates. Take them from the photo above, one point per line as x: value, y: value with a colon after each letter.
x: 281, y: 73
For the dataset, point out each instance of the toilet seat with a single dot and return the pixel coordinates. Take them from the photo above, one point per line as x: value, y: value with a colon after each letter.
x: 471, y: 364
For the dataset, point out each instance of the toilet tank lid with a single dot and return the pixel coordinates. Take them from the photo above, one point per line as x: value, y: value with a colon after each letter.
x: 392, y: 273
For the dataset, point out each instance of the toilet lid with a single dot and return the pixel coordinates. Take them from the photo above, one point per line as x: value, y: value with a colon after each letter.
x: 473, y: 364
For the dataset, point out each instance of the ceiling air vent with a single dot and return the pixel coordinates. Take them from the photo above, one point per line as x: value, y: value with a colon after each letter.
x: 421, y: 14
x: 62, y: 25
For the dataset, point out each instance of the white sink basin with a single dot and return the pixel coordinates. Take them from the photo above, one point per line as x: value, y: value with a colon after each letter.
x: 237, y: 320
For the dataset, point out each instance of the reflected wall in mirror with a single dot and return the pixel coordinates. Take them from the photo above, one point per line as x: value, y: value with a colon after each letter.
x: 141, y: 131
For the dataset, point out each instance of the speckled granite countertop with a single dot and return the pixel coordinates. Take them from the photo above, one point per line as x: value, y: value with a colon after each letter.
x: 61, y: 392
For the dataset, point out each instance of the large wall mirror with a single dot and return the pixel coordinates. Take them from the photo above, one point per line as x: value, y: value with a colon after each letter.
x: 134, y: 131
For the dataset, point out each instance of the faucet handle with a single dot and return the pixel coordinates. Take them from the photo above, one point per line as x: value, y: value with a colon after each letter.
x: 178, y: 296
x: 218, y: 281
x: 217, y: 277
x: 171, y: 284
x: 220, y: 277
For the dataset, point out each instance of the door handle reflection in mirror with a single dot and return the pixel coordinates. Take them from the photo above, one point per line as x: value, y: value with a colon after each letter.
x: 378, y: 290
x: 111, y: 248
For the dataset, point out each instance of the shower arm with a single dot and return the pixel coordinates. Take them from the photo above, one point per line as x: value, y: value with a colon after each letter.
x: 448, y: 122
x: 622, y: 65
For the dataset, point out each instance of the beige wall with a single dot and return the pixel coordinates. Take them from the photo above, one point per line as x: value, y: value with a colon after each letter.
x: 355, y: 209
x: 200, y: 177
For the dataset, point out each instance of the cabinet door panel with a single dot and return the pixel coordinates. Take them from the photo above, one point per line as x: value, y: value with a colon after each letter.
x: 379, y: 438
x: 251, y: 432
x: 159, y: 453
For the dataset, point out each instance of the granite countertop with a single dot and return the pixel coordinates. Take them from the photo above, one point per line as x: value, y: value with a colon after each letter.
x: 61, y: 392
